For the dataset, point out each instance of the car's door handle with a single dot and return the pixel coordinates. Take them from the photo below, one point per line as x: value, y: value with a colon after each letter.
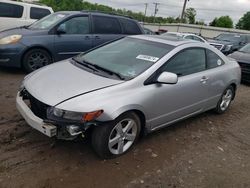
x: 87, y: 37
x: 97, y: 37
x: 204, y: 79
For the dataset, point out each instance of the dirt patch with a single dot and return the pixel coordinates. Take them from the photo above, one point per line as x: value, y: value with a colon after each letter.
x: 205, y: 151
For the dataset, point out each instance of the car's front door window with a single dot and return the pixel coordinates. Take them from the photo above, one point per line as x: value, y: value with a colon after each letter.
x: 187, y: 62
x: 76, y: 25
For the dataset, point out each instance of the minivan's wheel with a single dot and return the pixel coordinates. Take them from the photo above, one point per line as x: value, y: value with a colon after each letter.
x: 117, y: 137
x: 35, y: 59
x: 225, y: 100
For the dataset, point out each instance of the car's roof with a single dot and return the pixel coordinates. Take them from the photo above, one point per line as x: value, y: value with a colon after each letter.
x: 94, y: 13
x: 173, y: 41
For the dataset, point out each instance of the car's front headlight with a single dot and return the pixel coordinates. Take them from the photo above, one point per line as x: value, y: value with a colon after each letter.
x: 60, y: 115
x: 10, y: 39
x: 228, y: 48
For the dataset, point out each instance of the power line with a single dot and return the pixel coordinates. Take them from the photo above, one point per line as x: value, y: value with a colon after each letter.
x: 179, y: 6
x: 205, y: 9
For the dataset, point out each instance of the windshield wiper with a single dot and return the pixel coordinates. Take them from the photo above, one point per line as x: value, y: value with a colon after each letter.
x: 108, y: 71
x: 85, y: 63
x: 96, y: 67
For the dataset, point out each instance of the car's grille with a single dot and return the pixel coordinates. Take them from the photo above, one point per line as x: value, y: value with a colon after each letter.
x: 218, y: 46
x: 36, y: 106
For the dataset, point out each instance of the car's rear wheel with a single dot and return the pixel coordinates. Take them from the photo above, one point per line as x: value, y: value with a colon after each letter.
x: 35, y: 59
x: 117, y: 137
x: 225, y: 100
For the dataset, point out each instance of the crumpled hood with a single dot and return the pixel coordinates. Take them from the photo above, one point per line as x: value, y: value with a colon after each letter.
x: 241, y: 57
x: 63, y: 80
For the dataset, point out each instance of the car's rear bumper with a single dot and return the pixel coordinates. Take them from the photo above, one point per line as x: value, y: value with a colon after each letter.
x: 34, y: 121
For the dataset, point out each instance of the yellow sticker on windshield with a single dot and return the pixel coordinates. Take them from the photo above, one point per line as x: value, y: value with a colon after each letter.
x: 147, y: 58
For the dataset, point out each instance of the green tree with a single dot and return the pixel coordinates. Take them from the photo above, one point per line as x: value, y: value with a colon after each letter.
x: 213, y: 23
x: 244, y: 22
x: 62, y: 5
x: 223, y: 21
x: 190, y: 14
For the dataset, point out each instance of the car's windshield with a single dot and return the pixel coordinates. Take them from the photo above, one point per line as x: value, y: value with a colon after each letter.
x: 228, y: 37
x: 48, y: 21
x: 127, y: 57
x: 245, y: 49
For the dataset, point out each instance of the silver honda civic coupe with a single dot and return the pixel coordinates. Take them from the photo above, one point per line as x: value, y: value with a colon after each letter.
x: 134, y: 85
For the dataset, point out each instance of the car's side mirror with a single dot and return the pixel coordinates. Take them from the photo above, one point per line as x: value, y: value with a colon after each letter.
x: 61, y: 30
x: 167, y: 78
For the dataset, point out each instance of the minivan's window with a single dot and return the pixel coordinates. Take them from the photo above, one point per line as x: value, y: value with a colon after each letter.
x: 76, y: 25
x: 11, y: 10
x: 213, y: 60
x: 128, y: 57
x: 130, y: 27
x: 187, y: 62
x: 48, y: 21
x: 106, y: 25
x: 38, y: 13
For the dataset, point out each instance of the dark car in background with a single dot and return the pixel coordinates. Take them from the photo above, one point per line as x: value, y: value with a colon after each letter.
x: 230, y: 42
x: 148, y: 31
x: 60, y: 36
x: 243, y: 58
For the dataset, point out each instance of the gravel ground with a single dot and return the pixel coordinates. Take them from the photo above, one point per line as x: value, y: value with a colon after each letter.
x: 205, y: 151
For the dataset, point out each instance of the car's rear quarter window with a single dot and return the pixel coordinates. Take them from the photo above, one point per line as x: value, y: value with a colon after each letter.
x: 213, y: 60
x: 38, y: 13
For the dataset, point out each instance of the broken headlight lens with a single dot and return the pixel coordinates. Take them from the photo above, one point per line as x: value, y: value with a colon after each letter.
x: 80, y: 117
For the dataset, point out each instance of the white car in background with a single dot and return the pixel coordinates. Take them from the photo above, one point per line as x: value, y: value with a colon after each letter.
x: 17, y: 14
x: 190, y: 36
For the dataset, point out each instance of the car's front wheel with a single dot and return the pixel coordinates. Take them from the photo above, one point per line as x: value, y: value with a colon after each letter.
x: 35, y: 59
x: 225, y: 100
x: 117, y: 137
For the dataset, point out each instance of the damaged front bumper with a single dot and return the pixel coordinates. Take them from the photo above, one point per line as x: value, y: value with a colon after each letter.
x: 34, y: 121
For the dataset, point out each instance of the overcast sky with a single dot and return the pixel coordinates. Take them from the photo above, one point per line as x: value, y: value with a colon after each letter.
x: 206, y: 9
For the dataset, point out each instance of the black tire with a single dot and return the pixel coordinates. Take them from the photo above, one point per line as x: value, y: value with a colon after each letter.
x: 219, y: 109
x: 101, y: 135
x: 35, y: 59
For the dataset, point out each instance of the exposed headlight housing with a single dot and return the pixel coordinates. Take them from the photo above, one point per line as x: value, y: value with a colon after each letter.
x: 228, y: 48
x: 12, y: 39
x: 69, y: 116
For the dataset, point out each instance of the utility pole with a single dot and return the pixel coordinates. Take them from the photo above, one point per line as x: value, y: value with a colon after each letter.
x: 183, y: 10
x: 156, y: 9
x: 146, y: 7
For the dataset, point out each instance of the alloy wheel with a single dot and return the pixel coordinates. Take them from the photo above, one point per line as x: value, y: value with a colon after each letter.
x: 122, y: 136
x: 226, y: 99
x: 37, y: 60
